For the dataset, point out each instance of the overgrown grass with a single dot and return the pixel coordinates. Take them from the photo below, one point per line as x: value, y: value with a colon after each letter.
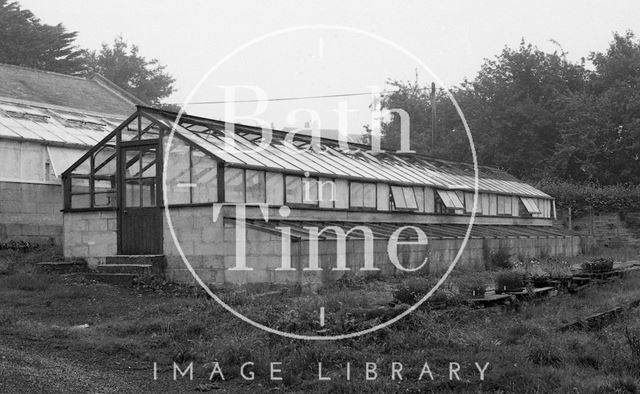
x: 525, y: 350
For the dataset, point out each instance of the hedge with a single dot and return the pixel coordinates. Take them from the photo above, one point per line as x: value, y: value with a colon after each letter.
x: 581, y: 197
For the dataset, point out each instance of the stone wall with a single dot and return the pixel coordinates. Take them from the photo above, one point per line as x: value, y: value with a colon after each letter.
x: 210, y: 249
x: 90, y: 235
x: 30, y: 211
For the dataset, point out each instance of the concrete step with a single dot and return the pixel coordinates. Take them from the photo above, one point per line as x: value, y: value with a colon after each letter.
x: 136, y: 269
x: 119, y: 279
x: 157, y: 262
x: 61, y: 267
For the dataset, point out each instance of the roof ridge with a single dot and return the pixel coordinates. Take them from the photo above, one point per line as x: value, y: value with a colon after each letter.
x: 54, y: 107
x: 38, y: 70
x: 114, y: 88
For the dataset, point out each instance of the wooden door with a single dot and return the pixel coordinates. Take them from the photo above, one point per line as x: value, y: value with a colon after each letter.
x: 140, y: 219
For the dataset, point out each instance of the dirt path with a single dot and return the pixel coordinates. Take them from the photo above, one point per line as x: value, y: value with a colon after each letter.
x: 34, y: 367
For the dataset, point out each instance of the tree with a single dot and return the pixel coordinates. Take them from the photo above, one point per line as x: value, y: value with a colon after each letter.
x: 511, y: 107
x: 450, y: 139
x: 25, y: 41
x: 123, y: 65
x: 600, y: 127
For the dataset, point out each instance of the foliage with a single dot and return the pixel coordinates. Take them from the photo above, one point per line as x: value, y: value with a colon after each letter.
x: 122, y: 64
x: 22, y: 246
x: 536, y: 114
x: 601, y: 264
x: 499, y: 258
x: 584, y: 196
x: 26, y: 41
x: 633, y: 339
x: 542, y: 269
x: 474, y: 286
x: 411, y: 291
x: 509, y: 280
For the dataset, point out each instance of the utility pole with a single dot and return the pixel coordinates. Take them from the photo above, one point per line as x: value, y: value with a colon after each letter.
x: 433, y: 115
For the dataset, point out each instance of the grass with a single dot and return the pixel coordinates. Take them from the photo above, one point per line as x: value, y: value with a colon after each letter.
x: 525, y: 350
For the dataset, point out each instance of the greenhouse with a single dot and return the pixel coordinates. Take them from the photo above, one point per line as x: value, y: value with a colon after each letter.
x: 289, y: 185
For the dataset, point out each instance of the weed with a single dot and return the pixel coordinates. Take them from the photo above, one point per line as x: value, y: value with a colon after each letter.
x: 509, y: 280
x: 28, y: 282
x: 499, y: 259
x: 412, y: 290
x: 543, y: 353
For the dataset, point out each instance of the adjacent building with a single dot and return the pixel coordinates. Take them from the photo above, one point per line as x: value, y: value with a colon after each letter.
x: 47, y: 121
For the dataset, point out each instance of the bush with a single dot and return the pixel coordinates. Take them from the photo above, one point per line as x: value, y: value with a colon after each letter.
x: 541, y: 270
x: 584, y: 196
x: 598, y: 265
x: 509, y: 280
x: 473, y: 287
x: 411, y: 291
x: 499, y: 259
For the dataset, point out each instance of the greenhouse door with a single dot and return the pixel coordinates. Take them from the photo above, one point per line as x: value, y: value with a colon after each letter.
x: 140, y: 218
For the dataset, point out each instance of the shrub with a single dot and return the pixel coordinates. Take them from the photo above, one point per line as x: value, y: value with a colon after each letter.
x: 598, y: 265
x: 499, y: 259
x: 584, y: 196
x: 412, y: 290
x: 509, y: 280
x: 473, y: 287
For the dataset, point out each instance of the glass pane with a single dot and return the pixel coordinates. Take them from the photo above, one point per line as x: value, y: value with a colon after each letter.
x: 148, y: 190
x: 410, y: 198
x: 419, y: 193
x: 79, y: 185
x: 327, y: 190
x: 356, y: 196
x: 130, y: 131
x: 132, y: 193
x: 105, y: 161
x: 255, y: 186
x: 132, y: 163
x: 310, y: 190
x: 275, y: 188
x: 104, y: 200
x: 149, y: 130
x: 294, y: 189
x: 149, y: 163
x: 369, y: 195
x: 178, y: 182
x: 398, y: 197
x: 80, y: 200
x: 204, y: 178
x: 234, y: 186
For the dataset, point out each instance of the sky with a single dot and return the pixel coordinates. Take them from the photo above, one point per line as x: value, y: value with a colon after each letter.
x: 452, y: 38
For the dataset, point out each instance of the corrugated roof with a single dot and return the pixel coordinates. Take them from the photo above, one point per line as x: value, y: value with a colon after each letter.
x: 332, y: 161
x: 384, y: 230
x: 46, y: 125
x: 85, y: 94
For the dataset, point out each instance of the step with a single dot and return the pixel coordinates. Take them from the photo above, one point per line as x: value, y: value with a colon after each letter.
x: 135, y: 259
x: 119, y: 279
x: 61, y: 267
x: 136, y: 269
x: 157, y: 262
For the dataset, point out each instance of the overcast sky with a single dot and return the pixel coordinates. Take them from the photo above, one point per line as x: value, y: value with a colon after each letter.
x: 451, y: 37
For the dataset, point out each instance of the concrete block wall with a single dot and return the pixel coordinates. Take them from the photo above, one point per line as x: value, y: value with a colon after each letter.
x: 210, y: 249
x: 30, y: 212
x: 90, y: 235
